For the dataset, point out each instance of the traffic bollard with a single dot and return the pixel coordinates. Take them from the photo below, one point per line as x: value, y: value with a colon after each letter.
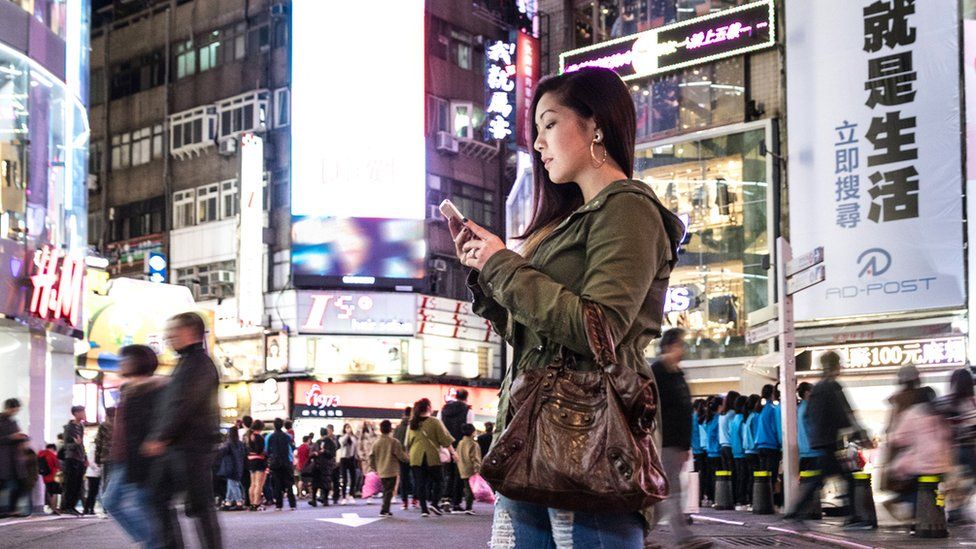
x: 724, y: 501
x: 930, y: 519
x: 862, y: 501
x: 814, y: 511
x: 762, y: 493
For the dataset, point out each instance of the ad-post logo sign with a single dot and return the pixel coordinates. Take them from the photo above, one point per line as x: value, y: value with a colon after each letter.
x: 874, y: 262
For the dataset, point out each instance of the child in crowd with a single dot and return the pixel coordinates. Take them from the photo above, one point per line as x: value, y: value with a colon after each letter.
x: 469, y: 463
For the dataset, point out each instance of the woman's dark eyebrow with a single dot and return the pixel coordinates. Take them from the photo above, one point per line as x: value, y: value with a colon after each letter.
x: 543, y: 114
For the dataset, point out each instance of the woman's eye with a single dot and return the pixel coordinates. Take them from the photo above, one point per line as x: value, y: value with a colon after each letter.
x: 550, y: 125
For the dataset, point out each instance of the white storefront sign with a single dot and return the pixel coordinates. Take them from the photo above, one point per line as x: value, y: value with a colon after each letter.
x: 874, y: 155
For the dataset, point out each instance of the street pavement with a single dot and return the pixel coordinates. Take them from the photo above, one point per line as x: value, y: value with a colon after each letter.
x: 359, y: 526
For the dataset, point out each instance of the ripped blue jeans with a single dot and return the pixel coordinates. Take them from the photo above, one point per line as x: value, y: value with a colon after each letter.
x: 520, y: 525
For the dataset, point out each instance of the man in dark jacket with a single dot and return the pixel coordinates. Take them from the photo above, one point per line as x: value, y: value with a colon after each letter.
x: 406, y: 479
x: 827, y: 413
x: 484, y: 440
x: 10, y: 463
x: 185, y: 435
x: 280, y: 452
x: 75, y: 460
x: 675, y: 406
x: 322, y: 453
x: 455, y: 415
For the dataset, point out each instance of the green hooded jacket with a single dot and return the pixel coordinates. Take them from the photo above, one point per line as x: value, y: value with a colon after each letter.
x: 617, y: 250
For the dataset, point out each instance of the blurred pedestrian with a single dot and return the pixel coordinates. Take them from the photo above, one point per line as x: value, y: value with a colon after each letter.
x: 48, y: 467
x: 75, y: 460
x: 406, y: 480
x: 304, y: 466
x: 749, y: 427
x: 808, y: 455
x: 323, y: 456
x: 455, y: 415
x: 127, y: 496
x: 484, y: 440
x: 959, y: 407
x: 11, y: 460
x: 676, y: 434
x: 908, y: 394
x: 29, y: 481
x: 93, y: 482
x: 468, y: 464
x: 244, y: 428
x: 186, y: 435
x: 769, y: 435
x: 367, y: 436
x: 739, y: 466
x: 280, y: 453
x: 231, y: 459
x: 713, y: 449
x: 697, y: 447
x: 348, y: 448
x: 257, y: 463
x: 385, y: 458
x: 425, y: 437
x: 103, y: 442
x: 922, y: 444
x: 827, y: 414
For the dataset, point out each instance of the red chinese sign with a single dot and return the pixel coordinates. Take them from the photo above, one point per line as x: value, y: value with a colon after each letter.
x: 527, y: 66
x: 57, y: 285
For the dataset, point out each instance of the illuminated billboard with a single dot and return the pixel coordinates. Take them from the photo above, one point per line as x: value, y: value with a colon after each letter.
x: 358, y: 154
x: 697, y: 41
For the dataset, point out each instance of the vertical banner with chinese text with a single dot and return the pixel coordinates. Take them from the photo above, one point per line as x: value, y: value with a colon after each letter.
x: 874, y: 153
x: 500, y: 80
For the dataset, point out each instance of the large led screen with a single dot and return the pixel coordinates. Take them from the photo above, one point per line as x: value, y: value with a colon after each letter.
x: 358, y: 163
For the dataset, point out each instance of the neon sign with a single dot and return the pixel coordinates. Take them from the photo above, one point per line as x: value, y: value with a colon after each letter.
x: 693, y: 42
x: 500, y: 80
x: 527, y: 71
x: 58, y: 283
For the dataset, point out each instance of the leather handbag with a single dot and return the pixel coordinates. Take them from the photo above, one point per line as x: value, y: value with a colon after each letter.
x: 581, y: 440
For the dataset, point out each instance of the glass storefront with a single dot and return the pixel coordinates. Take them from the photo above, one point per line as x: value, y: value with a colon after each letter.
x: 719, y: 188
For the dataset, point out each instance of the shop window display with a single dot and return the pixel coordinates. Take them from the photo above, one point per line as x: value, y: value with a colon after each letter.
x: 718, y: 187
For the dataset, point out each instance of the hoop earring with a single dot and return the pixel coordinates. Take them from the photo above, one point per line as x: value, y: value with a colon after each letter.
x: 598, y: 163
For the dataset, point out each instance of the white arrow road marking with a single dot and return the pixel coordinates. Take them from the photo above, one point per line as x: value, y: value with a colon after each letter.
x: 351, y: 519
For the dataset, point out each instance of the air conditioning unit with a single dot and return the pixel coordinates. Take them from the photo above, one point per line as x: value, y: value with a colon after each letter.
x: 434, y: 213
x: 447, y: 143
x: 227, y: 147
x: 91, y: 182
x: 440, y: 265
x: 220, y: 277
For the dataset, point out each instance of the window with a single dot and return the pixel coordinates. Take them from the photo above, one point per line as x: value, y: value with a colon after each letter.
x: 462, y: 119
x: 439, y: 114
x: 96, y: 87
x: 96, y: 157
x: 94, y: 227
x: 209, y: 281
x: 137, y: 219
x: 141, y: 146
x: 437, y: 40
x: 477, y: 203
x: 243, y: 113
x: 282, y: 107
x: 240, y: 40
x: 183, y: 208
x: 207, y: 200
x: 186, y: 60
x: 208, y: 55
x: 229, y: 201
x: 121, y: 151
x: 192, y: 130
x: 157, y: 141
x: 461, y: 53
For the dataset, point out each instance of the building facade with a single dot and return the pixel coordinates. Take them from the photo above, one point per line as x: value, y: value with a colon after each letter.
x: 43, y: 205
x: 192, y: 160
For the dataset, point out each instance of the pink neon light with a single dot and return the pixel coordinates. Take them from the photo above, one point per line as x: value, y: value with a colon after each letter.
x: 717, y: 35
x: 58, y: 286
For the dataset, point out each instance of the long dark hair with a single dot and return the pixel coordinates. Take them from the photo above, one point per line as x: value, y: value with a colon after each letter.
x: 422, y: 406
x: 753, y: 405
x: 728, y: 405
x: 590, y: 92
x: 961, y: 384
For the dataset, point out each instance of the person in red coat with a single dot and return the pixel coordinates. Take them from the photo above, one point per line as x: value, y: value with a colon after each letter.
x: 47, y: 461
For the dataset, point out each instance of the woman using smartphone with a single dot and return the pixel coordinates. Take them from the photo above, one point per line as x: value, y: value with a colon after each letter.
x: 597, y: 235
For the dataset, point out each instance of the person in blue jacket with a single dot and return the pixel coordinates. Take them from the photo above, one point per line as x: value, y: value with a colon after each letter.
x: 712, y: 447
x: 697, y: 448
x: 769, y: 435
x: 809, y: 457
x: 740, y: 470
x: 724, y: 442
x: 751, y: 415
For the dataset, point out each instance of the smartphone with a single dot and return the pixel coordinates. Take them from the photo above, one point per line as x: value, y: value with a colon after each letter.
x: 450, y: 210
